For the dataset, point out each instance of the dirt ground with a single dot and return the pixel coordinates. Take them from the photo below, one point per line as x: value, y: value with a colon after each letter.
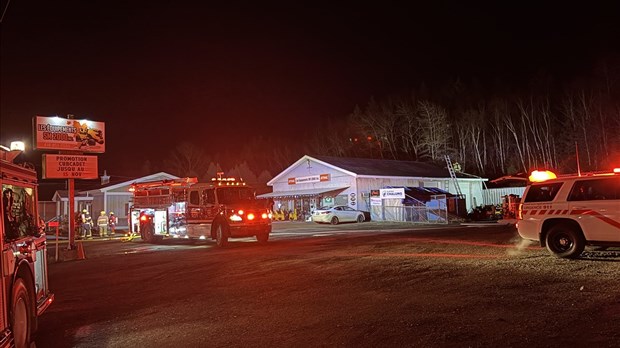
x: 454, y: 287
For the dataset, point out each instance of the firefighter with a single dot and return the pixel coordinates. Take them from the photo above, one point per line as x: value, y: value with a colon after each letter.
x: 87, y: 224
x: 112, y: 223
x: 102, y: 223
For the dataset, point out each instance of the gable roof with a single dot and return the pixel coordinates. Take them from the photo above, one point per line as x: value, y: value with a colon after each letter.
x: 383, y: 167
x: 117, y: 183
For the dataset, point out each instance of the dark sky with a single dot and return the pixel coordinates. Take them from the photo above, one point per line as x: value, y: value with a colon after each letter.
x: 161, y: 72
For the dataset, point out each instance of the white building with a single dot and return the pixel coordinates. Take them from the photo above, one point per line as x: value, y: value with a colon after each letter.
x: 323, y: 181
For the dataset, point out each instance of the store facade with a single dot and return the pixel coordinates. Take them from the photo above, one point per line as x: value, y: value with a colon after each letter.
x: 315, y: 181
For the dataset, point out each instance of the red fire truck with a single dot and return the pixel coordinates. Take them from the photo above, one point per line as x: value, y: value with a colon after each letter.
x: 184, y: 208
x: 24, y: 290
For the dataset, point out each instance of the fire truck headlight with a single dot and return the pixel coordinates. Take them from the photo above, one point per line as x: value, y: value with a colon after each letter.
x: 250, y: 216
x: 265, y: 215
x: 240, y: 212
x: 235, y: 217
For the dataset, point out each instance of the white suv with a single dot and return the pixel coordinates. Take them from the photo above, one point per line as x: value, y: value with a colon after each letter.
x: 568, y: 213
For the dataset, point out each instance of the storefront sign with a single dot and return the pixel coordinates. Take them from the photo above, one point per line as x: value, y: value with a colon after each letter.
x: 309, y: 179
x: 56, y: 133
x: 353, y: 200
x: 69, y: 167
x: 375, y: 201
x: 390, y: 193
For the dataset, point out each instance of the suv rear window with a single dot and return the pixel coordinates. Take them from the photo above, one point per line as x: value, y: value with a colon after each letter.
x: 542, y: 192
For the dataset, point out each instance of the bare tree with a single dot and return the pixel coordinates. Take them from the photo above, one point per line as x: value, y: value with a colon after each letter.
x: 188, y: 160
x: 435, y: 130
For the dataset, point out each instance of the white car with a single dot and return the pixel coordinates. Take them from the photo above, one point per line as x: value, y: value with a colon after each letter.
x: 337, y: 214
x: 567, y: 213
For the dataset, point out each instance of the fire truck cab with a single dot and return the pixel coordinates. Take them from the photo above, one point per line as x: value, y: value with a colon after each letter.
x: 25, y: 294
x: 184, y: 208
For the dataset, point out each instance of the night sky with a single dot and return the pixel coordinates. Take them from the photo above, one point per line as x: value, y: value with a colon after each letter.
x: 162, y: 72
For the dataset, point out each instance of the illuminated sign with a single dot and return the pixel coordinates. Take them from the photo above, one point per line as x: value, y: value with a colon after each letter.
x: 70, y: 167
x: 308, y: 179
x: 55, y: 133
x: 390, y: 193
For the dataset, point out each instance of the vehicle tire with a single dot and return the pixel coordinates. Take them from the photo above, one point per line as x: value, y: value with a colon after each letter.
x: 565, y: 241
x: 21, y: 318
x: 147, y: 232
x: 262, y: 237
x: 334, y: 220
x: 360, y: 218
x: 221, y: 238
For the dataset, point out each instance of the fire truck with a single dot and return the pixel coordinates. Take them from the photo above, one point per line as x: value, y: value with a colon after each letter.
x: 185, y: 208
x: 24, y: 289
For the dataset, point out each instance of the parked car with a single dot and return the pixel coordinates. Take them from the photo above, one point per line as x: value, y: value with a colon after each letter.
x: 337, y: 214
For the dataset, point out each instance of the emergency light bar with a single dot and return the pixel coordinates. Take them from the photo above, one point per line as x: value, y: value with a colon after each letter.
x: 541, y: 175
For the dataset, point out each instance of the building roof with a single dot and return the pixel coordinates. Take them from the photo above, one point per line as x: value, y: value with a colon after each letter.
x: 116, y: 182
x: 383, y: 167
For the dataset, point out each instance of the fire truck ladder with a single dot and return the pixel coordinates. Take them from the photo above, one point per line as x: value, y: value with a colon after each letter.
x: 453, y: 176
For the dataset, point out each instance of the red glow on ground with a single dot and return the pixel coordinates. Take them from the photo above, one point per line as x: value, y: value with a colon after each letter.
x: 460, y: 242
x: 452, y: 256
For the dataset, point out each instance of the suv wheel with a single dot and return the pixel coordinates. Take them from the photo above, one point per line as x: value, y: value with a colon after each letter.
x: 564, y: 240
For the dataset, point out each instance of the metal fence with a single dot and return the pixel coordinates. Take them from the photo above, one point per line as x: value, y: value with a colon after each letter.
x: 435, y: 212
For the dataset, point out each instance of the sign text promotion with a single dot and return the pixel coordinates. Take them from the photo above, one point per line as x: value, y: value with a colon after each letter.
x: 69, y: 167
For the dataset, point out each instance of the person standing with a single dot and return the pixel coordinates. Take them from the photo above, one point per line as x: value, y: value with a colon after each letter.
x: 112, y: 223
x: 87, y: 224
x: 102, y: 223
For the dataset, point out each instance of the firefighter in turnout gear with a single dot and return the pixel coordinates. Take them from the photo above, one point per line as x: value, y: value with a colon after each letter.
x: 112, y: 223
x: 102, y: 223
x: 87, y: 224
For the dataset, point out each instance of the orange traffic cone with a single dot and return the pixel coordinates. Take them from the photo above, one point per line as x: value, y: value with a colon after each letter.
x: 80, y: 251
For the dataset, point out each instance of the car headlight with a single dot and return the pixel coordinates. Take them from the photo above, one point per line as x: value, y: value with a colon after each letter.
x: 235, y: 217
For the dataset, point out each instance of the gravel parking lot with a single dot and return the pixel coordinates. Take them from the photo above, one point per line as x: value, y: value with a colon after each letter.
x: 447, y: 287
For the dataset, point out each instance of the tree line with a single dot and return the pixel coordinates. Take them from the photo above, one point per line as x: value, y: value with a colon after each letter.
x: 489, y: 131
x: 490, y: 134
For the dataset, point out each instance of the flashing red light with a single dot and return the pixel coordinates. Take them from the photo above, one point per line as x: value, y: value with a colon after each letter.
x: 143, y: 217
x: 240, y: 212
x: 264, y: 215
x: 250, y: 216
x: 132, y: 189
